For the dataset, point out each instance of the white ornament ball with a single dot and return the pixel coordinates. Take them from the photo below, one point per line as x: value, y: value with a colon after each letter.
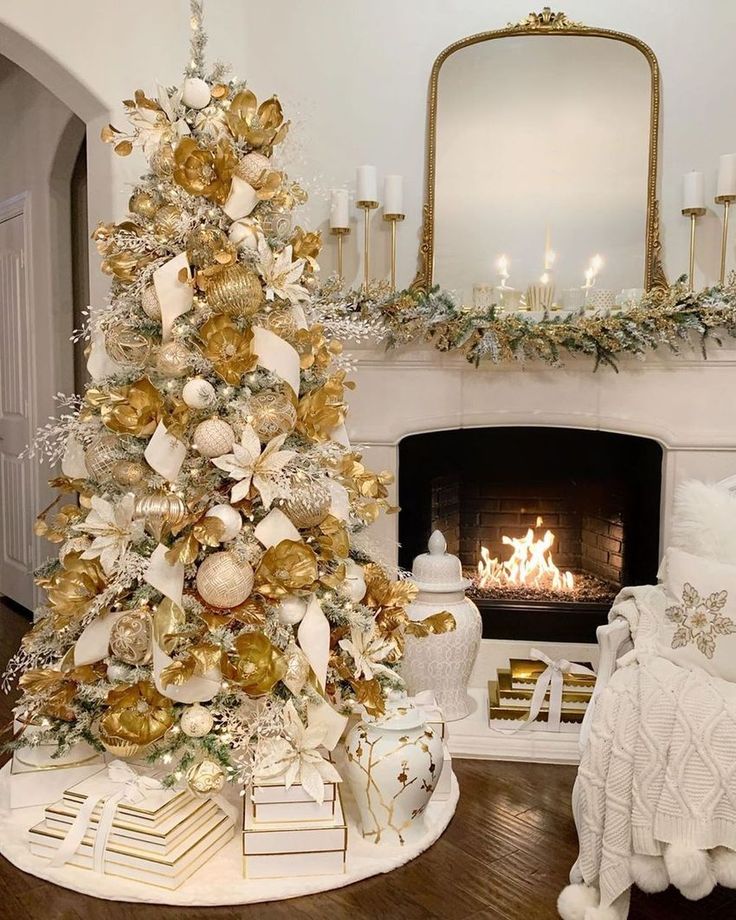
x: 231, y: 520
x: 355, y: 586
x: 198, y: 393
x: 223, y: 581
x: 292, y: 610
x: 149, y: 303
x: 196, y: 93
x: 243, y: 233
x: 196, y: 721
x: 213, y: 438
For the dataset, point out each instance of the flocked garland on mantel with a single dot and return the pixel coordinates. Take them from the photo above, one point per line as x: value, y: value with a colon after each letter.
x: 678, y: 318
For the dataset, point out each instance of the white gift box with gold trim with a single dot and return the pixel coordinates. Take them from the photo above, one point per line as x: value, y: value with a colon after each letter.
x: 40, y: 784
x: 155, y: 807
x: 271, y: 802
x: 291, y: 849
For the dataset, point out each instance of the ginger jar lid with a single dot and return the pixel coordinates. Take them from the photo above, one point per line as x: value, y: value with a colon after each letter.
x: 438, y: 571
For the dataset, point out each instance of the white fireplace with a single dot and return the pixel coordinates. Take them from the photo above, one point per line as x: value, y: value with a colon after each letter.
x: 683, y: 402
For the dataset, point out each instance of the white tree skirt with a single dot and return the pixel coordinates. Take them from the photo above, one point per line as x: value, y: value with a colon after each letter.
x: 220, y: 881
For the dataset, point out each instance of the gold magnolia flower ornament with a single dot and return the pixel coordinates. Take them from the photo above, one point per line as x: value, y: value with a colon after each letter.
x: 306, y: 245
x: 205, y: 172
x: 254, y: 664
x: 134, y: 409
x: 227, y: 348
x: 53, y: 691
x: 72, y: 588
x: 260, y: 126
x: 321, y: 410
x: 287, y: 568
x: 137, y: 714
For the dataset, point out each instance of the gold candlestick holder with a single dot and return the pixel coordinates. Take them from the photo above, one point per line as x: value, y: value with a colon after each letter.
x: 693, y: 214
x: 340, y: 233
x: 393, y: 219
x: 366, y: 207
x: 725, y: 200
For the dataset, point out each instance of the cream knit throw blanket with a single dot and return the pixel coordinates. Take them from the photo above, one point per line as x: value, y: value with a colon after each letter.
x: 660, y: 764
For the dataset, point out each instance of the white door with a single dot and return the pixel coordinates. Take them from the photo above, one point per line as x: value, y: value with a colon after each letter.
x: 17, y: 477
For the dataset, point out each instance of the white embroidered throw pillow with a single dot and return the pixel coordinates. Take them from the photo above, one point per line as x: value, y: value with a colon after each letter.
x: 699, y: 625
x: 704, y: 520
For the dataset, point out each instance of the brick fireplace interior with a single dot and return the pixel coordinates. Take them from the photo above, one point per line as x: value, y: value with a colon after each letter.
x: 597, y: 493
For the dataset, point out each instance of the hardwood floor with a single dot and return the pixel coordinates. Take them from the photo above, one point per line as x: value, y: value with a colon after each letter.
x: 505, y: 856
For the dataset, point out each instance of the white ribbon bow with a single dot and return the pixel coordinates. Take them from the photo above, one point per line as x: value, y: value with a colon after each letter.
x: 552, y: 679
x: 134, y: 788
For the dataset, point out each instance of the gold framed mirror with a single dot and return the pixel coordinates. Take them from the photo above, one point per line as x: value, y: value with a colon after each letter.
x: 542, y: 150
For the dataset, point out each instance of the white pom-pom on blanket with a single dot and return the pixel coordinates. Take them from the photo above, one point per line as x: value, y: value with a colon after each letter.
x: 575, y: 900
x: 723, y: 862
x: 649, y: 873
x: 690, y: 870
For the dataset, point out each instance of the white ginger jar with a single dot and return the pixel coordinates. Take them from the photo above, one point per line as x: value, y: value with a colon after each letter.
x: 393, y: 765
x: 442, y: 663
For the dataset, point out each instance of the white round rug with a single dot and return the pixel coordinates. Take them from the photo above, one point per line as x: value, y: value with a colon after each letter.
x: 220, y: 881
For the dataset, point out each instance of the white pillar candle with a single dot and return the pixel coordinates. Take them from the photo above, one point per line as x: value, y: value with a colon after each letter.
x: 339, y: 209
x: 693, y: 191
x: 726, y: 175
x: 367, y: 184
x: 393, y: 195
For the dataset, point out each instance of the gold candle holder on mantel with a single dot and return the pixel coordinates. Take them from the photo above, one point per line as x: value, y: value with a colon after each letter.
x: 340, y: 233
x: 366, y: 207
x: 693, y: 214
x: 394, y: 219
x: 725, y: 200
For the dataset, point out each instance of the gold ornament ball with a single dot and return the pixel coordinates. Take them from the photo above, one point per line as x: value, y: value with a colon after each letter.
x: 278, y: 224
x: 309, y: 502
x: 213, y: 438
x: 196, y: 721
x: 149, y: 303
x: 283, y: 322
x: 272, y: 413
x: 167, y: 220
x: 173, y: 359
x: 162, y: 161
x: 127, y: 346
x: 252, y: 167
x: 130, y: 637
x: 236, y: 291
x: 204, y: 243
x: 205, y: 778
x: 101, y: 456
x: 223, y: 581
x: 159, y: 508
x: 128, y: 472
x: 143, y: 203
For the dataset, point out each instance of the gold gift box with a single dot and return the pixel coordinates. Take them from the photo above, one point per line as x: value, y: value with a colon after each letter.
x: 528, y: 671
x: 506, y: 691
x: 497, y: 710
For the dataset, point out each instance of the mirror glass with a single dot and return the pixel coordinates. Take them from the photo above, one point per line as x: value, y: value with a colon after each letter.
x: 542, y: 157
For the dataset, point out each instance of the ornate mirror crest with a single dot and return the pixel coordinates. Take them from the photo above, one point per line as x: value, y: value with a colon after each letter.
x: 546, y: 23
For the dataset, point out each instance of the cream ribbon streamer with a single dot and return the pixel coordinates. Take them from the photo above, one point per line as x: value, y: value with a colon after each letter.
x: 165, y: 453
x: 314, y: 638
x: 241, y: 200
x: 165, y: 577
x: 134, y: 788
x: 274, y: 528
x: 322, y: 714
x: 277, y: 356
x: 552, y: 679
x: 174, y: 296
x: 93, y: 643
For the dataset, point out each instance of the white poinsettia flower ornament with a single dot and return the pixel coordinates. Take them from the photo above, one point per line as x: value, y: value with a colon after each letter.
x: 262, y: 469
x: 369, y: 650
x: 296, y: 756
x: 280, y: 273
x: 113, y: 528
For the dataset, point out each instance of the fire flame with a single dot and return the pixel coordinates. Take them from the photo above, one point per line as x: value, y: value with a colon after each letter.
x: 530, y: 564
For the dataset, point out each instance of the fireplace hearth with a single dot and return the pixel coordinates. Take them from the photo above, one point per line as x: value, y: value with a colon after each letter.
x: 548, y: 522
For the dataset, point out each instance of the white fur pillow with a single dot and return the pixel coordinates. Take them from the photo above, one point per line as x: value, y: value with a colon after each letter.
x: 704, y: 520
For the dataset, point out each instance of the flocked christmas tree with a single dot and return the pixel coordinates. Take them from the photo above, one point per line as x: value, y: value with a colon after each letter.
x: 209, y: 607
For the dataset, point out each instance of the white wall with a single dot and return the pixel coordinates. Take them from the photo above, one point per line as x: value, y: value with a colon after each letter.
x: 353, y: 77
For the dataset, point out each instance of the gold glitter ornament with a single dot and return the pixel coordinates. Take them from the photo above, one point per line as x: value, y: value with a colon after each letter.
x: 272, y: 413
x: 308, y: 503
x: 196, y: 721
x: 127, y: 346
x: 213, y: 438
x: 167, y: 220
x: 128, y: 472
x: 101, y: 456
x: 282, y: 321
x: 252, y: 168
x: 223, y: 581
x: 143, y: 203
x: 235, y: 291
x: 162, y: 161
x: 130, y: 637
x: 160, y: 508
x: 204, y: 243
x: 173, y: 359
x: 205, y: 778
x: 149, y: 303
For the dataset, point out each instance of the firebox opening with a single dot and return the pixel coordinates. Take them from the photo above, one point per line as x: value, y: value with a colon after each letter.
x: 548, y: 522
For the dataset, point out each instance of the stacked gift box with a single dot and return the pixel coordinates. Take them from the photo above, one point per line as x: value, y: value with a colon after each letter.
x: 510, y: 695
x: 287, y: 833
x: 161, y: 840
